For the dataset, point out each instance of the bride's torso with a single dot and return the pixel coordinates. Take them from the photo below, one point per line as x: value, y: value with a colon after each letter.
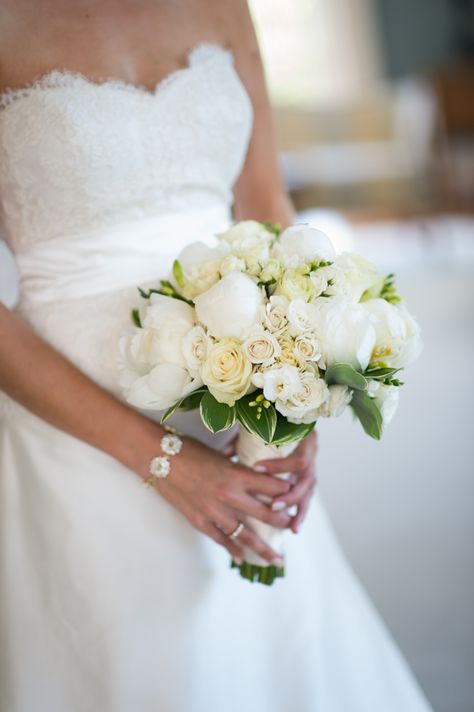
x: 101, y: 184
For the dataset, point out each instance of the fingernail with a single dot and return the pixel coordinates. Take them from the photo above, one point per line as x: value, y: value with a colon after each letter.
x: 238, y: 560
x: 260, y: 468
x: 296, y: 528
x: 277, y: 561
x: 278, y: 506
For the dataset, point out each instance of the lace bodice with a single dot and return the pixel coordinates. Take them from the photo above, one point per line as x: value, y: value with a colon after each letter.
x: 77, y: 155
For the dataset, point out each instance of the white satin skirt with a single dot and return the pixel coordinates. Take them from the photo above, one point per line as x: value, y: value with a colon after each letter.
x: 110, y: 601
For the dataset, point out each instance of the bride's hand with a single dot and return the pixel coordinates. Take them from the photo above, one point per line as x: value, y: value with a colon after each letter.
x: 213, y: 493
x: 302, y: 465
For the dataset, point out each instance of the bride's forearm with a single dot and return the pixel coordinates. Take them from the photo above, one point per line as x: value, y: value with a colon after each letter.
x: 42, y: 380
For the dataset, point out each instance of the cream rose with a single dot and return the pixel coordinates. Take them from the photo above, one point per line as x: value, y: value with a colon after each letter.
x: 296, y: 284
x: 274, y: 314
x: 307, y: 348
x: 261, y: 347
x: 227, y: 371
x: 231, y: 307
x: 301, y: 316
x: 195, y: 347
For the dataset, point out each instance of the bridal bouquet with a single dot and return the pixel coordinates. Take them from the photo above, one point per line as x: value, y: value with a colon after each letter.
x: 273, y: 331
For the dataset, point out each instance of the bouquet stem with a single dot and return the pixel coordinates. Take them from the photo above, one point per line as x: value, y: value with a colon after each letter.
x: 251, y: 449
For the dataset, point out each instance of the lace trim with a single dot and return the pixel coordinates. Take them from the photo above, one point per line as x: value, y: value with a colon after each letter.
x: 59, y: 78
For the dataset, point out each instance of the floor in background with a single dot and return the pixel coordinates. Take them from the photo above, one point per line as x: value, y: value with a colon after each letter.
x: 404, y: 508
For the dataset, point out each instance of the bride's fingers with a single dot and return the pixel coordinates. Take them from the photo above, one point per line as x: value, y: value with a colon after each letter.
x: 251, y: 540
x: 301, y: 513
x: 253, y: 507
x: 218, y: 535
x: 304, y: 486
x: 265, y: 484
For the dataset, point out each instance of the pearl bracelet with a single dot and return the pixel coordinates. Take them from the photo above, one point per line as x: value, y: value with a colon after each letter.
x: 160, y: 466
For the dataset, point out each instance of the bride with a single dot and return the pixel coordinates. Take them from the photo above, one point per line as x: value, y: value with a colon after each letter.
x: 126, y: 130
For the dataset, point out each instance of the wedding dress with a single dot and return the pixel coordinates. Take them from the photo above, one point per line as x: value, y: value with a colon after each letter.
x: 109, y: 600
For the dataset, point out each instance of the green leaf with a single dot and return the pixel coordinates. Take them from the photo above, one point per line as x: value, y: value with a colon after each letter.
x: 190, y: 402
x: 367, y: 412
x: 286, y: 432
x: 136, y: 318
x: 345, y: 375
x: 259, y: 418
x: 274, y: 228
x: 380, y: 373
x: 216, y: 416
x: 178, y: 273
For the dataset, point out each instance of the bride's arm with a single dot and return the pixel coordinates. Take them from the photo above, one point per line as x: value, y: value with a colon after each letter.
x: 203, y: 484
x: 260, y: 194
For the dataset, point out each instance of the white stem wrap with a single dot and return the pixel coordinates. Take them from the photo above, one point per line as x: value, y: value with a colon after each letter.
x: 250, y: 450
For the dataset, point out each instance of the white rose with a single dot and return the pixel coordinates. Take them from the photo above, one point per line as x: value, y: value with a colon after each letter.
x: 306, y: 242
x: 288, y: 354
x: 307, y: 347
x: 231, y: 307
x: 339, y: 399
x: 398, y: 341
x: 274, y: 313
x: 261, y: 347
x: 344, y: 331
x: 245, y: 230
x: 281, y: 382
x: 386, y: 399
x: 319, y: 280
x: 161, y: 387
x: 171, y: 319
x: 296, y: 284
x: 231, y: 263
x: 359, y: 275
x: 271, y: 271
x: 195, y: 347
x: 301, y: 316
x: 227, y: 371
x: 303, y: 406
x: 200, y: 264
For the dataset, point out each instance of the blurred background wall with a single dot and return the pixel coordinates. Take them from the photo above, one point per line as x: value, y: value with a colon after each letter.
x: 374, y: 109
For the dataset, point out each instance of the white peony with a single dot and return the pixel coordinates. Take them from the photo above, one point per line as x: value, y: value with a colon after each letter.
x: 386, y: 399
x: 303, y: 406
x: 398, y: 341
x: 282, y: 382
x: 307, y: 242
x: 200, y: 264
x: 231, y: 307
x: 261, y: 347
x: 344, y: 331
x: 170, y: 319
x: 227, y: 371
x: 161, y: 387
x: 359, y: 275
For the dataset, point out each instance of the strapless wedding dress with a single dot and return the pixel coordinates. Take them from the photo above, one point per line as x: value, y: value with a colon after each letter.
x: 109, y: 600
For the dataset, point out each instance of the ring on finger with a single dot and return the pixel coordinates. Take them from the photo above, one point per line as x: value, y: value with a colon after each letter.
x: 234, y: 534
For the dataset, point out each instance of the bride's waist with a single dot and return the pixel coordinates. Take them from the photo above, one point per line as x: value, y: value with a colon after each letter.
x: 112, y: 258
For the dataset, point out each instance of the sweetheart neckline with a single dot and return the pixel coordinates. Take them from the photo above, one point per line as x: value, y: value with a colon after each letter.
x: 42, y: 80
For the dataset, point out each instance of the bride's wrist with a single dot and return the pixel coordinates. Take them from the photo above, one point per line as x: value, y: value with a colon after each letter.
x: 139, y: 444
